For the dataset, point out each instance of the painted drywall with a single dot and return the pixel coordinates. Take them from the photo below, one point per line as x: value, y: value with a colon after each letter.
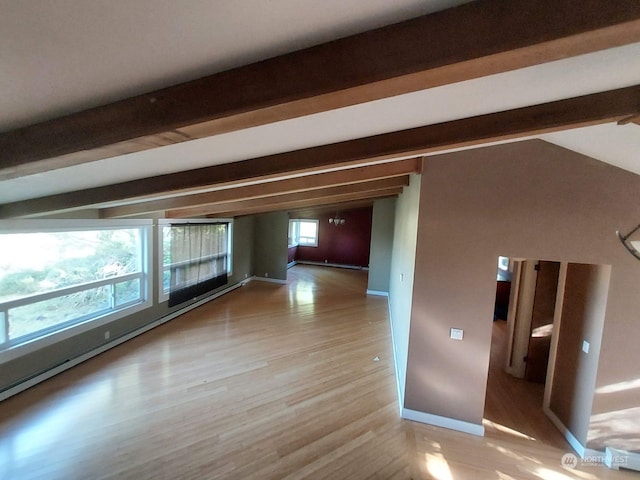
x: 346, y: 244
x: 34, y: 363
x: 291, y: 254
x: 382, y: 226
x: 270, y: 245
x: 242, y: 252
x: 401, y: 275
x: 530, y: 200
x: 583, y: 312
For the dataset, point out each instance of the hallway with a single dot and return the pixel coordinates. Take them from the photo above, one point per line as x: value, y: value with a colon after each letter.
x: 515, y: 403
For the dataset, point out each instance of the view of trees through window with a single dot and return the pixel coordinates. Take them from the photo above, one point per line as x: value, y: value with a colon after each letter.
x: 53, y: 278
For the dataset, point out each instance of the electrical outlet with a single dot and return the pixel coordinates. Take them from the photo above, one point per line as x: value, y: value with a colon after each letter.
x: 107, y: 335
x: 266, y: 274
x: 585, y: 346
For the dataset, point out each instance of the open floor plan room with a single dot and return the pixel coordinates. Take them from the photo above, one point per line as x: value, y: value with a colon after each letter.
x: 267, y: 382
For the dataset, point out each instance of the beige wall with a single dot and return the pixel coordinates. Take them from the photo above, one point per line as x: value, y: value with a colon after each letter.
x: 382, y: 223
x: 583, y: 312
x: 401, y: 275
x: 530, y: 200
x: 270, y: 245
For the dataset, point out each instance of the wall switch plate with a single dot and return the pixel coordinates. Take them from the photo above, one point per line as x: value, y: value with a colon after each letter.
x: 456, y: 334
x: 585, y: 346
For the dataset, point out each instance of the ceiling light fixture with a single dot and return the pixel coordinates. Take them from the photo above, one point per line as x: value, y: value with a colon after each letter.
x: 336, y: 220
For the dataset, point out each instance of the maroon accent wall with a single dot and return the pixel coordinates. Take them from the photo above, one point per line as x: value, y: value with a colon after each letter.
x: 346, y: 244
x: 292, y: 254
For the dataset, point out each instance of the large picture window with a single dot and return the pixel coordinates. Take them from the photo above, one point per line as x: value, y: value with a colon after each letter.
x: 196, y: 259
x: 51, y: 280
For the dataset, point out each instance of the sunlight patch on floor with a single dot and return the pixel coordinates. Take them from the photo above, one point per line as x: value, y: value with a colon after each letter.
x: 438, y: 467
x: 619, y: 387
x: 542, y: 331
x: 548, y: 474
x: 504, y: 476
x: 504, y: 429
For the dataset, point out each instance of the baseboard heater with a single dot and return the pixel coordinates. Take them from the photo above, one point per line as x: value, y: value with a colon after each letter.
x: 326, y: 264
x: 616, y: 459
x: 55, y: 370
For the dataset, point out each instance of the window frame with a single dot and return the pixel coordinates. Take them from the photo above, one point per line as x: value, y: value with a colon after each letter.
x: 293, y: 236
x: 10, y: 350
x: 163, y: 295
x: 314, y: 242
x: 297, y: 241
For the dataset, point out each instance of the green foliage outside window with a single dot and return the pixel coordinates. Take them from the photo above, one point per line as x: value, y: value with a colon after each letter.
x: 36, y: 263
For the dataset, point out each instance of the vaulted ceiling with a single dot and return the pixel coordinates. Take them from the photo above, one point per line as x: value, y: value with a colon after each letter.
x: 159, y: 108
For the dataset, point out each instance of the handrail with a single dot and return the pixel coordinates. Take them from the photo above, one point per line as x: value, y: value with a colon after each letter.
x: 39, y: 297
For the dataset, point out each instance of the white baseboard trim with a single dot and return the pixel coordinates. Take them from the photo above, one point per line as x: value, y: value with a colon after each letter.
x: 291, y: 264
x: 377, y: 292
x: 616, y: 458
x: 569, y: 437
x: 395, y: 361
x: 594, y: 454
x: 270, y: 280
x: 9, y: 392
x: 335, y: 265
x: 444, y: 422
x: 577, y: 446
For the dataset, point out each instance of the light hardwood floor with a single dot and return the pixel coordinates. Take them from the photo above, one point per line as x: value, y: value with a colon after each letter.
x: 269, y: 381
x: 515, y: 403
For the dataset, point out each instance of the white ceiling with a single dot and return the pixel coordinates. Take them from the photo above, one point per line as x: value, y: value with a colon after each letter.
x: 66, y: 55
x: 61, y: 56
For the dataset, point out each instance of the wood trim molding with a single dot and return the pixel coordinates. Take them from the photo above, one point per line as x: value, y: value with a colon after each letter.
x: 598, y: 108
x: 298, y: 184
x: 506, y: 35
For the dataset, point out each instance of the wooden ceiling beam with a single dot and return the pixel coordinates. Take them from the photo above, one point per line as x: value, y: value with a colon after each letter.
x: 424, y: 52
x: 315, y: 211
x: 307, y: 182
x: 288, y: 198
x: 630, y: 119
x: 598, y: 108
x: 342, y: 201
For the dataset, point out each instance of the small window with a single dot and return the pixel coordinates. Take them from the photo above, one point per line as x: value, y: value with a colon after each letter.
x: 293, y: 233
x: 303, y: 233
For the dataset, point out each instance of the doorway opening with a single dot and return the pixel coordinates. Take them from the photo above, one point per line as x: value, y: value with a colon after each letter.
x: 539, y: 372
